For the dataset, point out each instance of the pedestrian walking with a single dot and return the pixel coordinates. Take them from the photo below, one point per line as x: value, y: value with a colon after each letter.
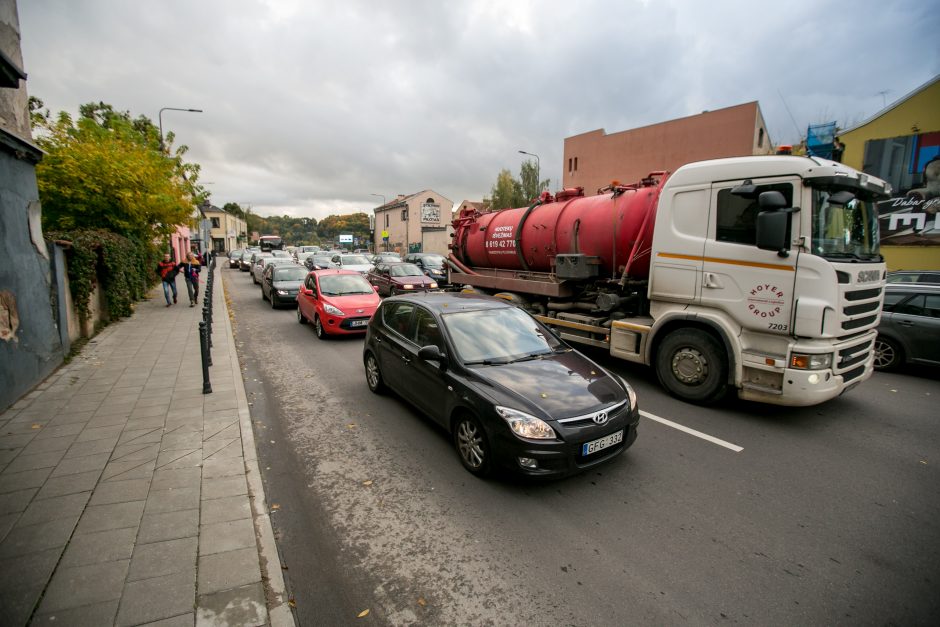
x: 190, y: 269
x: 168, y: 271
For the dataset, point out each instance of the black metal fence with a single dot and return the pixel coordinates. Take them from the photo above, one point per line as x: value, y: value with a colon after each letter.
x: 205, y: 326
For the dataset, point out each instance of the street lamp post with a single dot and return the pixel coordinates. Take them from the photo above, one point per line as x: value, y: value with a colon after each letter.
x: 538, y: 171
x: 160, y: 119
x: 382, y: 196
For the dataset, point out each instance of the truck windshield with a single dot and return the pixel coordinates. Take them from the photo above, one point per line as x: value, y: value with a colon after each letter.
x: 845, y: 231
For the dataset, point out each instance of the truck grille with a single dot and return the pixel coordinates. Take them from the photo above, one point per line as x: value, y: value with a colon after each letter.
x: 860, y: 309
x: 851, y: 356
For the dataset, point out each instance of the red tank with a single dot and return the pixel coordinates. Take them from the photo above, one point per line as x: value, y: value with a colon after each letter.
x: 616, y: 227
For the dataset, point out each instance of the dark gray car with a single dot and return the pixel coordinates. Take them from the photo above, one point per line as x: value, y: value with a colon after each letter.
x: 909, y: 331
x: 281, y: 282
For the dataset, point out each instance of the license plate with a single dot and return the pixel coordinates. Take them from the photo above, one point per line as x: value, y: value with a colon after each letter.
x: 358, y: 323
x: 600, y: 444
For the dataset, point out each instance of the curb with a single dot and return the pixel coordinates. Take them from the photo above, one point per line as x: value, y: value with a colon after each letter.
x: 279, y: 613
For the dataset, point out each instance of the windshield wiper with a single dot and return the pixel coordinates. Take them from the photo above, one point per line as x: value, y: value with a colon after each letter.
x: 485, y: 362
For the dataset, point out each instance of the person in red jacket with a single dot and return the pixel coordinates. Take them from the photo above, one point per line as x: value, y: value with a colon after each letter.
x: 168, y: 271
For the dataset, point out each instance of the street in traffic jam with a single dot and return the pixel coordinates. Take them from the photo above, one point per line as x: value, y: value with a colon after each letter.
x: 735, y: 511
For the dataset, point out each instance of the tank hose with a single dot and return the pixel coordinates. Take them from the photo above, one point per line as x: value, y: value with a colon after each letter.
x: 455, y: 263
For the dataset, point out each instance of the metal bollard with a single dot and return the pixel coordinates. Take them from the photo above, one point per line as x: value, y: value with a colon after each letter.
x: 206, y: 358
x: 207, y: 320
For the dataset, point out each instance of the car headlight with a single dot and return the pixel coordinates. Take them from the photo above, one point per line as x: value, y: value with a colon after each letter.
x: 330, y: 309
x: 806, y: 361
x: 282, y: 292
x: 631, y: 393
x: 433, y: 285
x: 526, y: 425
x: 408, y: 286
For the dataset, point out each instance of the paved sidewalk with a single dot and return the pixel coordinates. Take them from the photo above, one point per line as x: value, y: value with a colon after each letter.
x: 127, y: 496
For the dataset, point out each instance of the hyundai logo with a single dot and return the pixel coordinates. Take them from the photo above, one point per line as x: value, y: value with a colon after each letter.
x: 600, y: 417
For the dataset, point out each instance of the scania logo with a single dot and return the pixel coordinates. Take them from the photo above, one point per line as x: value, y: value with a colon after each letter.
x: 600, y: 417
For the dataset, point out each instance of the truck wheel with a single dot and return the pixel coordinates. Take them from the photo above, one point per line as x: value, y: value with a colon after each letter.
x: 691, y: 365
x: 887, y: 354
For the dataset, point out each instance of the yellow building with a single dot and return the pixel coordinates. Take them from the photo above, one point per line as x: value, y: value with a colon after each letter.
x: 897, y: 144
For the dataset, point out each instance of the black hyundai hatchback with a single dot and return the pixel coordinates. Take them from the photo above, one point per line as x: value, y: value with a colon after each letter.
x: 511, y: 393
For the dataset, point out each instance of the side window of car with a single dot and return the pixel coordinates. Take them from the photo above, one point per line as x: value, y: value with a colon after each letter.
x: 397, y: 317
x: 892, y: 299
x: 427, y: 331
x: 912, y: 307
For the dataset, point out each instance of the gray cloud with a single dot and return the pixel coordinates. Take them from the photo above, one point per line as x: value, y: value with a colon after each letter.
x: 312, y: 106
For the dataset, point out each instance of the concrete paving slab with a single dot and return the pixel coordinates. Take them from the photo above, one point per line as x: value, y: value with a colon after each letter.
x: 168, y: 526
x: 168, y: 478
x: 113, y: 516
x: 78, y: 586
x: 75, y: 465
x: 239, y: 606
x: 44, y: 510
x: 121, y: 491
x: 172, y: 500
x: 164, y: 558
x: 94, y: 614
x: 69, y: 484
x: 224, y: 486
x: 231, y: 569
x: 30, y: 539
x: 226, y: 536
x: 104, y: 546
x: 155, y: 599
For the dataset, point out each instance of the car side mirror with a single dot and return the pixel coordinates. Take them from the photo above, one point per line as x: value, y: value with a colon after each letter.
x: 432, y: 353
x: 375, y: 288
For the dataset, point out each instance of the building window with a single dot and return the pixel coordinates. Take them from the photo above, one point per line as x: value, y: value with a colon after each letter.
x: 575, y: 164
x: 386, y: 219
x: 760, y: 138
x: 215, y: 223
x: 404, y: 215
x: 569, y: 164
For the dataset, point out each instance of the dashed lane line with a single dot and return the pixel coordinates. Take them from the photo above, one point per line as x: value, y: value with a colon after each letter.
x: 698, y: 434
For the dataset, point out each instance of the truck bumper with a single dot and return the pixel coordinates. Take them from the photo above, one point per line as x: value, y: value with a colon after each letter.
x: 853, y: 362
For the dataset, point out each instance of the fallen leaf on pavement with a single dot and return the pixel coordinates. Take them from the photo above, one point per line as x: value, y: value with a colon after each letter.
x: 291, y: 602
x: 275, y: 506
x: 422, y: 602
x: 363, y: 614
x: 351, y: 425
x: 37, y: 427
x: 369, y: 482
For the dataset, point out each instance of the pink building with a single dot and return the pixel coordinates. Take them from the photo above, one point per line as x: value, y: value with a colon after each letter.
x: 180, y: 242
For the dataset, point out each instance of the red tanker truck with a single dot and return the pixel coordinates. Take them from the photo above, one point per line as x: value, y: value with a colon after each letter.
x: 760, y: 274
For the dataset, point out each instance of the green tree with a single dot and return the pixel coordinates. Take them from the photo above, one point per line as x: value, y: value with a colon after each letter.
x: 105, y: 170
x: 510, y: 192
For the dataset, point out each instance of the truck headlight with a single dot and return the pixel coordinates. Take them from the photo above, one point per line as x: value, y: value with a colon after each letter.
x: 526, y: 425
x: 806, y: 361
x: 282, y: 292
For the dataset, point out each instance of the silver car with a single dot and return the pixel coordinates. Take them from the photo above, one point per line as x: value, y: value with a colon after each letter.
x: 909, y: 331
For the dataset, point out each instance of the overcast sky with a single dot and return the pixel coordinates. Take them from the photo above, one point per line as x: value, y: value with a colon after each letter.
x: 310, y: 106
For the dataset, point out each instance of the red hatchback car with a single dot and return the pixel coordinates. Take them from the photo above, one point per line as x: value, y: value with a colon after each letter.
x: 337, y: 302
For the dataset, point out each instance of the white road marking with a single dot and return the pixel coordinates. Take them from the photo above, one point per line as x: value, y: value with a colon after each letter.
x: 698, y: 434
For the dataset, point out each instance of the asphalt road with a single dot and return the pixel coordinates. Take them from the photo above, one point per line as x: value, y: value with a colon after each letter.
x: 820, y: 515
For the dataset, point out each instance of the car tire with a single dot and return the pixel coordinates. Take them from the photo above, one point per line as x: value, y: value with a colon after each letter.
x: 318, y: 327
x: 273, y: 302
x: 373, y: 374
x: 691, y: 365
x: 473, y: 447
x: 300, y: 316
x: 263, y: 297
x: 888, y: 354
x: 392, y: 291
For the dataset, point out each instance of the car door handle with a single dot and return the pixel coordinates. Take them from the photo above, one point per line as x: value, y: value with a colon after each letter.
x: 905, y: 323
x: 711, y: 280
x: 406, y: 359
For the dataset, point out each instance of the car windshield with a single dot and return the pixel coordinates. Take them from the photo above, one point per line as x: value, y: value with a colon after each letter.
x: 498, y: 336
x: 322, y: 260
x: 433, y: 261
x: 847, y: 231
x: 344, y: 284
x: 290, y: 274
x: 280, y: 253
x: 405, y: 269
x: 354, y: 260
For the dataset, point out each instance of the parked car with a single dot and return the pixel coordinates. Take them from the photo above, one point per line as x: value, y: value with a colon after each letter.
x: 909, y: 331
x: 914, y: 276
x: 337, y: 302
x: 258, y: 268
x: 282, y: 253
x: 280, y: 283
x: 510, y: 392
x: 244, y: 263
x: 234, y: 257
x: 359, y: 263
x: 319, y: 262
x: 387, y: 257
x: 431, y: 264
x: 395, y: 278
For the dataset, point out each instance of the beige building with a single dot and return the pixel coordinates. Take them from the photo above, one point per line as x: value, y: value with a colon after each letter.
x: 226, y: 231
x: 594, y: 159
x: 418, y: 223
